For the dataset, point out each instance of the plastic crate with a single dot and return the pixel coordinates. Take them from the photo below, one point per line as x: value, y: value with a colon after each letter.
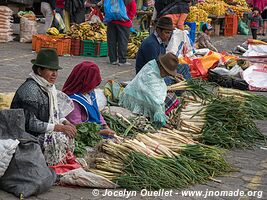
x: 231, y: 20
x: 62, y: 45
x: 75, y: 47
x: 230, y: 25
x: 36, y: 40
x: 230, y: 31
x: 94, y: 48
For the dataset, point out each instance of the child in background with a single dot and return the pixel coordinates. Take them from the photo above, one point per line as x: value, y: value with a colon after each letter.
x: 264, y: 18
x: 255, y: 22
x: 203, y: 39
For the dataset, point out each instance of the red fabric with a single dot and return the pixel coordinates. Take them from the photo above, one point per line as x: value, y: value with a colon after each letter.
x: 83, y: 79
x: 259, y: 4
x: 175, y: 104
x: 68, y: 164
x: 131, y: 11
x: 60, y: 3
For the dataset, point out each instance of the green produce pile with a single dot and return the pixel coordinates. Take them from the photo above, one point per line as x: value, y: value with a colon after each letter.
x: 87, y: 135
x: 229, y: 125
x: 195, y: 164
x: 128, y: 127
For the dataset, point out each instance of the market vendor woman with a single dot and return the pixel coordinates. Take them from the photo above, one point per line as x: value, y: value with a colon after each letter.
x: 80, y: 86
x: 45, y: 108
x: 146, y: 93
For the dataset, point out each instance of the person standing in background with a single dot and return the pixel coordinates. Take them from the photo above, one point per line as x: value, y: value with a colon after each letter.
x: 118, y: 33
x: 48, y: 9
x: 177, y: 10
x: 255, y: 22
x: 264, y: 18
x: 60, y: 7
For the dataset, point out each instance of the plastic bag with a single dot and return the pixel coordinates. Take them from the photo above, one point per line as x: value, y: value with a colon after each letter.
x: 27, y: 173
x: 101, y: 99
x: 59, y: 22
x: 113, y: 91
x: 6, y: 99
x: 82, y: 178
x: 226, y: 80
x: 113, y: 110
x: 28, y: 28
x: 256, y: 50
x: 243, y: 27
x: 179, y: 43
x: 256, y: 77
x: 7, y: 149
x: 115, y: 10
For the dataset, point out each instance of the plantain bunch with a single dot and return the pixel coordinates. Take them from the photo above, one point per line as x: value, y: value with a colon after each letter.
x: 197, y: 15
x: 86, y: 31
x: 135, y: 41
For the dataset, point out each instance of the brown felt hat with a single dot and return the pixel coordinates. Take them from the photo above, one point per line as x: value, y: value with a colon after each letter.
x: 169, y: 62
x: 165, y: 23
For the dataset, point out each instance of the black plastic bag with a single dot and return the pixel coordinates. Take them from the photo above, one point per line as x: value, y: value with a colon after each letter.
x: 27, y: 173
x: 227, y: 81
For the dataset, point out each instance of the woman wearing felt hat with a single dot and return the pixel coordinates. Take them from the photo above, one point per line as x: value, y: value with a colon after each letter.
x: 45, y: 108
x: 146, y: 93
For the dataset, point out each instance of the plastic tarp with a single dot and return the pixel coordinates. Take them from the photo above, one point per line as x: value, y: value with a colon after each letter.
x: 256, y: 77
x: 82, y: 178
x: 27, y: 173
x: 256, y: 48
x: 180, y: 44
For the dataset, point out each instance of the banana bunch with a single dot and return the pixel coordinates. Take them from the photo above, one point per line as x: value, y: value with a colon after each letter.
x: 213, y: 7
x: 134, y: 43
x: 197, y: 15
x: 239, y: 10
x: 53, y: 31
x: 237, y: 2
x: 86, y: 31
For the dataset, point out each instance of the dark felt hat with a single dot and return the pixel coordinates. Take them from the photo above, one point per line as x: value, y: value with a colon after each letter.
x: 47, y: 58
x: 169, y: 62
x: 165, y: 23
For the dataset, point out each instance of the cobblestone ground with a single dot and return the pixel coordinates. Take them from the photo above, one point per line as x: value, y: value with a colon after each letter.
x: 252, y: 164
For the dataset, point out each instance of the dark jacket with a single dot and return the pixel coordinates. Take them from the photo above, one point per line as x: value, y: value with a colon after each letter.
x: 255, y: 21
x: 76, y: 9
x: 165, y: 7
x: 51, y: 2
x: 35, y: 103
x: 150, y: 49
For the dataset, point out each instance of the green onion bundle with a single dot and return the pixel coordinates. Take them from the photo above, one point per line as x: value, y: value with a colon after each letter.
x: 197, y: 87
x: 197, y: 163
x: 255, y: 105
x: 229, y: 125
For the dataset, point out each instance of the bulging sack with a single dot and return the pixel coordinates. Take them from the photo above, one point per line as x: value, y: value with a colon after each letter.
x: 28, y: 28
x: 115, y: 10
x: 27, y: 173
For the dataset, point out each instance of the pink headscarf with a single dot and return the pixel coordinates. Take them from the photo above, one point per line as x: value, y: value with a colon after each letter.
x: 83, y: 79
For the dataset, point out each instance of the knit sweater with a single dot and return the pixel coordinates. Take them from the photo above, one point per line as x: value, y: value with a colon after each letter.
x: 150, y: 49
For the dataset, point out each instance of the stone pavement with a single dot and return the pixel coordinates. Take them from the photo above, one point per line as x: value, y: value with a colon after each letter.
x: 252, y: 164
